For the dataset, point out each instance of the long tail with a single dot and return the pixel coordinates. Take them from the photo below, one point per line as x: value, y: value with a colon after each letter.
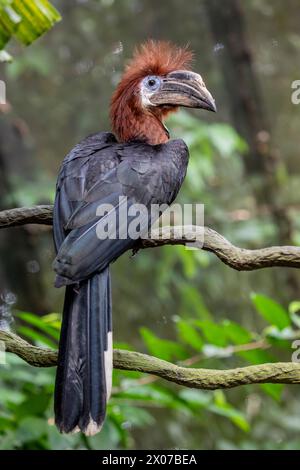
x: 84, y: 372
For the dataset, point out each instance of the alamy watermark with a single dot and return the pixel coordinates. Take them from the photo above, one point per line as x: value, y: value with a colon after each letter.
x: 2, y: 92
x: 132, y: 221
x: 295, y: 98
x: 296, y: 353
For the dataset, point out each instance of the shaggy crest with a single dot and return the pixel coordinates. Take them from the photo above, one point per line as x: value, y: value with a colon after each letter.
x: 151, y: 58
x: 157, y: 58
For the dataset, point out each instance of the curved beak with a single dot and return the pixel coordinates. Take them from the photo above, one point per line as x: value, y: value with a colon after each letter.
x: 183, y: 88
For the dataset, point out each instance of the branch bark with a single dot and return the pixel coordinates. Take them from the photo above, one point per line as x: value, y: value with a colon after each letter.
x: 206, y: 379
x: 237, y: 258
x: 26, y: 215
x: 207, y: 239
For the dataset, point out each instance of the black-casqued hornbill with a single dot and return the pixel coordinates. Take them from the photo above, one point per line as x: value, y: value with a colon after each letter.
x: 139, y: 162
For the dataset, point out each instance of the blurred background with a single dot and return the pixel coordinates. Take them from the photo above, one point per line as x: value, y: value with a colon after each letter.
x: 181, y: 305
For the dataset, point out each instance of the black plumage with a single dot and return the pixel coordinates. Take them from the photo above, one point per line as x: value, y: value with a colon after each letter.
x: 99, y: 170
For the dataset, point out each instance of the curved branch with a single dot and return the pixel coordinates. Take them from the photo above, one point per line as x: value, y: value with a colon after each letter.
x: 26, y: 215
x: 237, y: 258
x: 208, y: 379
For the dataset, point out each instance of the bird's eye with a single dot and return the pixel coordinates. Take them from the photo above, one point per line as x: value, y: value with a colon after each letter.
x: 152, y: 82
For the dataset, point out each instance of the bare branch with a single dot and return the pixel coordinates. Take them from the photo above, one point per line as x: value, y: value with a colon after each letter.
x: 208, y: 379
x: 26, y: 215
x: 237, y: 258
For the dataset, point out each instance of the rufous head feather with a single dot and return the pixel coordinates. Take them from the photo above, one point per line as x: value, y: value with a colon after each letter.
x: 133, y: 114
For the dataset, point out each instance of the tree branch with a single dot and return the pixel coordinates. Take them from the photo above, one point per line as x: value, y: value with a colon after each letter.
x: 26, y: 215
x: 237, y: 258
x: 207, y: 379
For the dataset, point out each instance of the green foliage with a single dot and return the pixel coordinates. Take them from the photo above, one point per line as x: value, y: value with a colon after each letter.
x: 165, y: 349
x: 207, y: 142
x: 271, y: 311
x: 25, y: 20
x: 185, y: 291
x: 188, y: 334
x: 26, y: 394
x: 42, y: 325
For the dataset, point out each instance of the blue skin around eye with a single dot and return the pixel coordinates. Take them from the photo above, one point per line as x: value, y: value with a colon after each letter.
x: 154, y: 86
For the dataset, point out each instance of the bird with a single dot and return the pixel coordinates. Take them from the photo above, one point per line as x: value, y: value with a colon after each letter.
x: 137, y: 163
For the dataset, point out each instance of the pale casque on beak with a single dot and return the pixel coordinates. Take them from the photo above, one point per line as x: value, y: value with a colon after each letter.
x: 179, y: 88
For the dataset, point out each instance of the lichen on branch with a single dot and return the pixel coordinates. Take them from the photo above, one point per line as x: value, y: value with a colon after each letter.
x: 206, y: 379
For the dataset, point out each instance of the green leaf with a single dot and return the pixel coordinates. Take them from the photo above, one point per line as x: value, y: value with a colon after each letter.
x: 29, y: 333
x: 257, y: 356
x: 137, y: 417
x: 162, y: 348
x: 222, y: 407
x: 31, y: 429
x: 189, y: 334
x: 53, y: 319
x: 35, y: 405
x: 7, y: 440
x: 189, y: 263
x: 10, y: 19
x: 236, y: 333
x: 239, y: 335
x: 196, y: 399
x: 26, y: 20
x: 273, y: 390
x: 213, y: 332
x: 39, y: 323
x: 234, y: 415
x: 11, y: 396
x: 117, y: 432
x: 152, y: 393
x: 60, y: 441
x: 271, y: 311
x: 216, y: 404
x: 4, y: 36
x: 123, y: 345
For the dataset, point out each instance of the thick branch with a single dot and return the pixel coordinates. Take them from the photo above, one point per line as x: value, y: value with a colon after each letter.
x: 208, y: 379
x: 237, y: 258
x: 26, y: 215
